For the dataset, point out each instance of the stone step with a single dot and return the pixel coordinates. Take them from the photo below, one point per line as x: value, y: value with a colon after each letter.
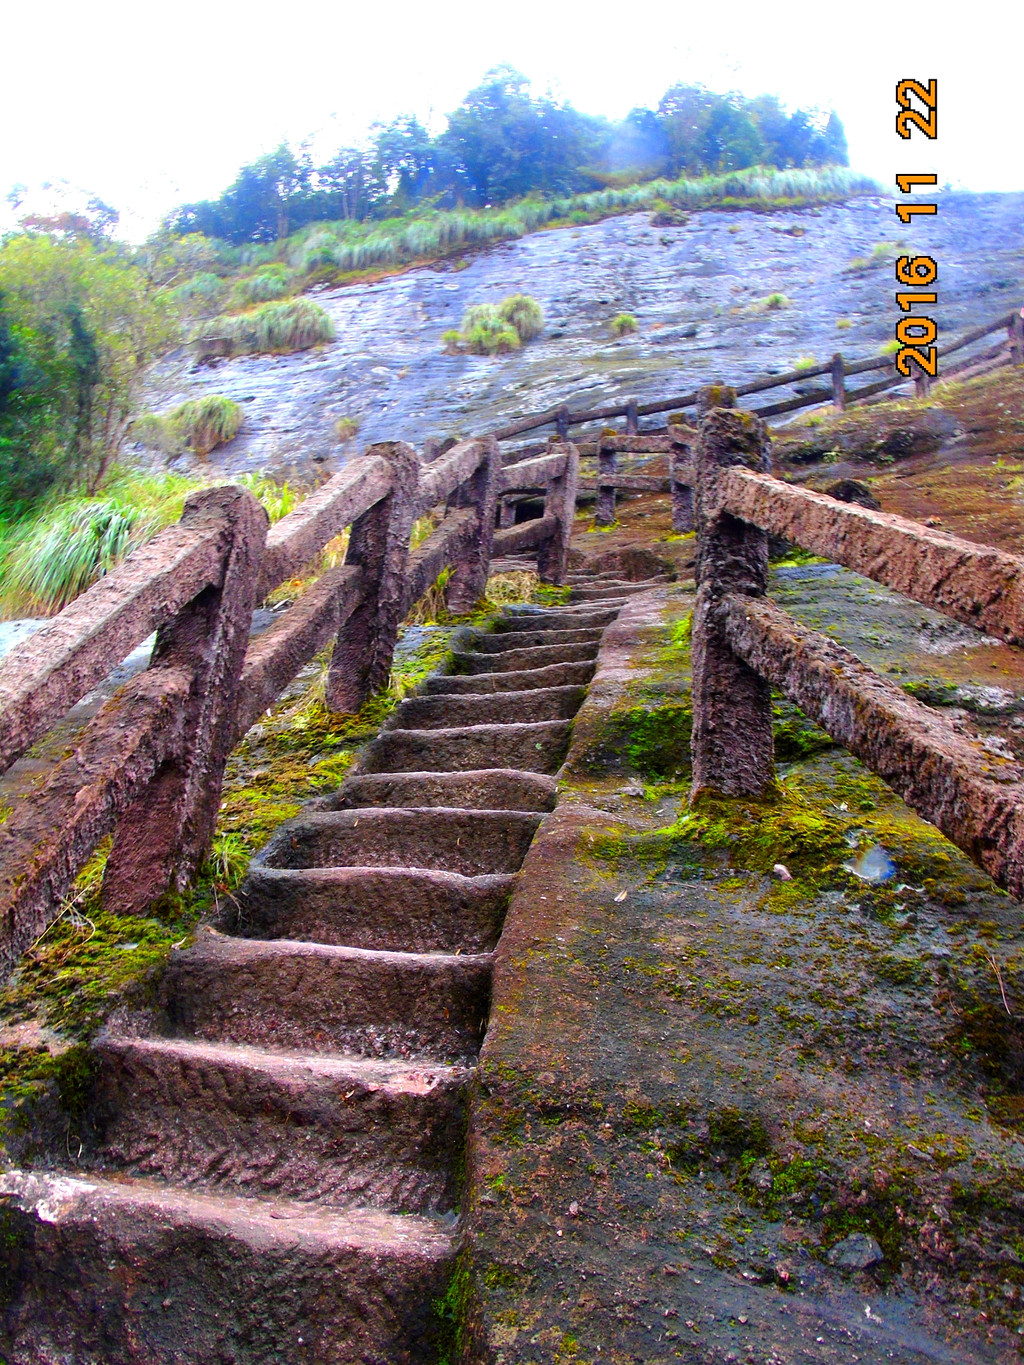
x: 479, y: 789
x: 611, y: 592
x: 98, y: 1272
x: 449, y: 710
x: 522, y: 680
x: 471, y: 842
x: 557, y: 618
x: 340, y: 1131
x: 472, y: 661
x: 371, y: 907
x: 486, y: 642
x: 537, y: 748
x: 312, y: 997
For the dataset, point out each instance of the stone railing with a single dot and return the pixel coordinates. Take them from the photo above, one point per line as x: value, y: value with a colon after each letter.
x: 743, y: 644
x: 148, y: 768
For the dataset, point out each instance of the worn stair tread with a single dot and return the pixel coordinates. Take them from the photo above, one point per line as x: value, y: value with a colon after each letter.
x: 521, y: 680
x: 393, y: 1076
x: 327, y: 998
x: 536, y: 747
x: 479, y: 788
x: 533, y: 656
x: 498, y: 642
x: 470, y: 841
x: 449, y: 710
x: 293, y: 1224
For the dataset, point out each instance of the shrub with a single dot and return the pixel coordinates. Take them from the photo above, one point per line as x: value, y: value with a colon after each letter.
x: 890, y: 347
x: 881, y: 254
x: 201, y: 425
x: 524, y: 314
x: 270, y: 328
x: 805, y: 362
x: 270, y: 283
x: 202, y: 295
x: 495, y: 329
x: 843, y: 324
x: 771, y: 302
x: 346, y: 427
x: 623, y: 323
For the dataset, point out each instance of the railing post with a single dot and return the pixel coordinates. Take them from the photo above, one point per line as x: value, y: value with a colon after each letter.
x: 1016, y: 335
x: 838, y: 383
x: 560, y: 502
x: 468, y: 582
x: 632, y: 417
x: 164, y: 835
x: 732, y: 711
x: 378, y: 545
x: 604, y: 513
x: 562, y: 422
x: 680, y: 462
x: 506, y: 514
x: 922, y: 384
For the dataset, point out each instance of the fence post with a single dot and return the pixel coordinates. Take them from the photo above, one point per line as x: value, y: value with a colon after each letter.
x: 1016, y: 335
x: 732, y: 711
x: 506, y: 513
x: 604, y: 513
x: 562, y: 422
x: 468, y: 582
x: 632, y: 417
x: 379, y: 545
x: 680, y: 462
x: 560, y: 502
x: 165, y: 834
x: 922, y: 384
x: 838, y: 383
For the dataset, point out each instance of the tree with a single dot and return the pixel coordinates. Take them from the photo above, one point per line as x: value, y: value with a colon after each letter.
x: 86, y: 324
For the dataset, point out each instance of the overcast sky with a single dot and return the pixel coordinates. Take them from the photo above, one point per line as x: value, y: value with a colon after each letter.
x: 148, y: 105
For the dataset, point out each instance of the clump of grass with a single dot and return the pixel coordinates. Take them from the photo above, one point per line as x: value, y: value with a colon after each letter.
x: 771, y: 302
x: 200, y: 425
x: 805, y: 362
x: 881, y: 254
x: 203, y: 295
x: 509, y: 589
x: 622, y: 324
x: 269, y: 328
x: 843, y: 324
x: 524, y: 314
x: 346, y: 427
x: 270, y: 283
x: 47, y: 560
x: 496, y: 328
x: 890, y: 347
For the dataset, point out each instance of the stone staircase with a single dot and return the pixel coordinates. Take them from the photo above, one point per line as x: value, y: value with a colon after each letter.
x: 275, y: 1175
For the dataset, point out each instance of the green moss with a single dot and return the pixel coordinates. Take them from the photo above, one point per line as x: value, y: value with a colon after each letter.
x: 451, y: 1313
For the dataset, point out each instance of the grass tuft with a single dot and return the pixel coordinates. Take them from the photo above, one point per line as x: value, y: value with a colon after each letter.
x: 622, y: 324
x: 496, y: 328
x: 200, y: 425
x: 270, y: 328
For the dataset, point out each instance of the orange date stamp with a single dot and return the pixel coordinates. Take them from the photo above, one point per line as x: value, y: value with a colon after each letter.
x: 918, y: 111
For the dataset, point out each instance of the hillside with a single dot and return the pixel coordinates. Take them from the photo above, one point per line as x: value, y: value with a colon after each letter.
x: 697, y: 289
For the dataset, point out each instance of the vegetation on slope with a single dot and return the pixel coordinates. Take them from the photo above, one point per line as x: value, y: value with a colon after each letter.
x: 201, y: 425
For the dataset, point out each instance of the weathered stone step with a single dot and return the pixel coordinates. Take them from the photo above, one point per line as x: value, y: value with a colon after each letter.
x: 408, y: 910
x: 233, y: 1119
x: 327, y: 999
x: 484, y: 642
x: 471, y: 842
x: 537, y: 748
x: 98, y: 1272
x: 446, y: 711
x: 611, y: 593
x: 556, y: 618
x: 521, y: 680
x: 472, y: 661
x: 482, y: 789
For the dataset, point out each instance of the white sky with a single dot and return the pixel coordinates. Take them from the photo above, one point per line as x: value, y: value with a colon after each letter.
x: 149, y: 104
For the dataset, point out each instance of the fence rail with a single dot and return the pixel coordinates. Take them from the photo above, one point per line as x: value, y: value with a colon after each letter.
x: 743, y: 644
x: 148, y: 767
